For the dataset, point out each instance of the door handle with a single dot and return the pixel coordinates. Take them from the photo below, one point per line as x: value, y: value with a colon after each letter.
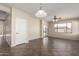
x: 17, y: 33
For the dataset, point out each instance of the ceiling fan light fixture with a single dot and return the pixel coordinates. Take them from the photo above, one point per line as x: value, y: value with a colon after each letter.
x: 55, y: 19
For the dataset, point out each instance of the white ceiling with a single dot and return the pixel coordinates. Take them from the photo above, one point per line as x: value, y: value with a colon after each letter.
x: 63, y: 10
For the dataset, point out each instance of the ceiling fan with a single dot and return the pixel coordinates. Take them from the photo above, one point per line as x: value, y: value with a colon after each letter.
x: 56, y: 18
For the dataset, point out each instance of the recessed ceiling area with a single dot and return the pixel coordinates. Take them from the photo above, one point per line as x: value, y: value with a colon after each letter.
x: 63, y: 10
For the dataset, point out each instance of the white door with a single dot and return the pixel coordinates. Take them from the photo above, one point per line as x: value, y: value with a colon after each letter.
x: 21, y: 30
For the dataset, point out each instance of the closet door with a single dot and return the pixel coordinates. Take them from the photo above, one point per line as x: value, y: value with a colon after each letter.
x: 21, y: 31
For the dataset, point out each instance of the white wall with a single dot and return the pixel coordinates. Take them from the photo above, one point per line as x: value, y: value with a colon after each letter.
x: 73, y: 35
x: 32, y: 27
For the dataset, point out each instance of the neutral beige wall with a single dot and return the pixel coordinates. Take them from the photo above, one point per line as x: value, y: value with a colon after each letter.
x: 32, y: 25
x: 33, y: 28
x: 73, y: 35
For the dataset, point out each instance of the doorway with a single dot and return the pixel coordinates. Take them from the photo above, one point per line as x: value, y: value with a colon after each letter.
x: 3, y: 19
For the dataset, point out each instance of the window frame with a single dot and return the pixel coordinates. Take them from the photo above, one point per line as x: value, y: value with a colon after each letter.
x: 65, y: 31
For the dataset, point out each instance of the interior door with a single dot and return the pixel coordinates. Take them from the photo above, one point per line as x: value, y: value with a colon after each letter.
x: 21, y: 30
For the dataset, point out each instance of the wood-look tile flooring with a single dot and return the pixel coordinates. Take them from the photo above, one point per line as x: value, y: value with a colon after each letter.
x: 44, y: 47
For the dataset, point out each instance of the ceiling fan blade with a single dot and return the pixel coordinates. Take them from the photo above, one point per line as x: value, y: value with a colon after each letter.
x: 59, y: 17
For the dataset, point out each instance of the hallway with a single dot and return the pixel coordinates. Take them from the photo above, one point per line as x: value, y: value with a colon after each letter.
x: 56, y: 47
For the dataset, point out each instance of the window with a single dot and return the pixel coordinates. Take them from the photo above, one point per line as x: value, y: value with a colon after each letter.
x: 63, y: 27
x: 68, y: 27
